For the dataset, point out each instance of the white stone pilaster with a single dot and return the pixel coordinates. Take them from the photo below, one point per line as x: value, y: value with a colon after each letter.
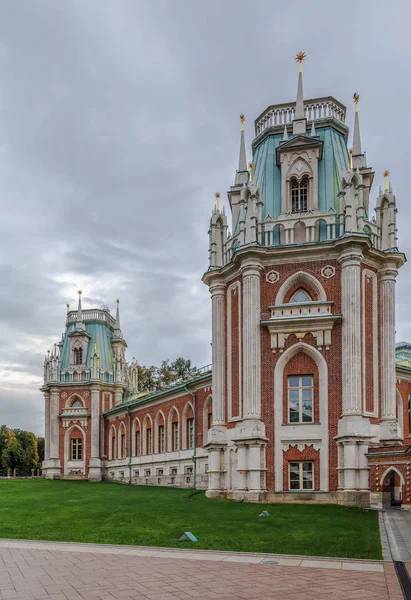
x: 51, y: 464
x: 54, y: 423
x: 351, y: 330
x: 389, y: 430
x: 251, y: 342
x: 218, y: 352
x: 95, y: 422
x: 47, y: 426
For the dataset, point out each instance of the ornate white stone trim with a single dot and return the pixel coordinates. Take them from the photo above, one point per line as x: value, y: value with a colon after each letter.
x: 64, y: 395
x: 316, y: 445
x: 234, y: 289
x: 272, y: 276
x: 328, y: 271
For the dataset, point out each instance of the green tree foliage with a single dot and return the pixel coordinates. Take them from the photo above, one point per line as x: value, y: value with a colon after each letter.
x: 169, y: 373
x: 18, y: 450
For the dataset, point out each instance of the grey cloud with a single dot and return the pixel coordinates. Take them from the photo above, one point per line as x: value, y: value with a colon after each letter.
x: 119, y: 121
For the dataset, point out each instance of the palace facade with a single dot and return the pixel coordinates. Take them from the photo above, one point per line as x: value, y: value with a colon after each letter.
x: 307, y: 400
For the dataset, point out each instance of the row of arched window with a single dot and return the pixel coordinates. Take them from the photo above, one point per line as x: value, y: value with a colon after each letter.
x: 160, y: 435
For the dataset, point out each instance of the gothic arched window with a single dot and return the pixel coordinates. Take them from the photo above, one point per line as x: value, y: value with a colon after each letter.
x: 78, y: 356
x: 301, y: 296
x: 299, y: 195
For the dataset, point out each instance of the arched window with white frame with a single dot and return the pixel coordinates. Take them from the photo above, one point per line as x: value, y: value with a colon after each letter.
x: 299, y: 195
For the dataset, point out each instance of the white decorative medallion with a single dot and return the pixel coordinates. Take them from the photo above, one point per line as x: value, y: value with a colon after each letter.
x: 86, y: 394
x: 64, y: 395
x: 272, y: 276
x: 328, y: 271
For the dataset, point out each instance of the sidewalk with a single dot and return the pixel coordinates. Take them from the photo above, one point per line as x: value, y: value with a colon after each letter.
x: 31, y: 570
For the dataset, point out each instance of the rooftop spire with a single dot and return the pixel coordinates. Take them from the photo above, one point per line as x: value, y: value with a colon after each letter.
x: 217, y: 201
x: 79, y: 323
x: 117, y: 326
x: 251, y: 166
x: 357, y: 137
x: 299, y: 123
x: 387, y: 182
x: 242, y: 161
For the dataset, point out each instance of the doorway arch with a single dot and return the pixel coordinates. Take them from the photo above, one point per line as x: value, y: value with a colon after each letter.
x: 392, y: 483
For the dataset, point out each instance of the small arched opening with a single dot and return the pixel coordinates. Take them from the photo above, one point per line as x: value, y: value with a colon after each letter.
x: 392, y: 487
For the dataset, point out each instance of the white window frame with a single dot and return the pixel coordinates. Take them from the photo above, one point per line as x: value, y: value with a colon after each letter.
x: 175, y: 434
x: 300, y: 472
x: 76, y: 449
x: 190, y: 429
x: 149, y: 440
x: 162, y: 438
x: 300, y: 389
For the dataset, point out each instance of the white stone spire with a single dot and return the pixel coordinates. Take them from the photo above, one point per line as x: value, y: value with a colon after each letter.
x: 79, y: 322
x: 357, y: 137
x: 300, y: 122
x: 285, y: 134
x: 241, y: 176
x: 117, y: 327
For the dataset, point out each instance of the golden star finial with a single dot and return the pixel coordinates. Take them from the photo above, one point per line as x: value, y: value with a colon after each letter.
x: 251, y: 166
x: 79, y: 292
x: 300, y: 57
x: 242, y: 119
x: 387, y: 183
x: 217, y: 201
x: 356, y: 97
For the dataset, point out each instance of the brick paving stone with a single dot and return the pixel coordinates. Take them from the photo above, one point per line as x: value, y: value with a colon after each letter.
x: 71, y: 575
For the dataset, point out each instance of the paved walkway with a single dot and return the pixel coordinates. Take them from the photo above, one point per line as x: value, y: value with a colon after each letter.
x: 398, y: 528
x: 60, y: 571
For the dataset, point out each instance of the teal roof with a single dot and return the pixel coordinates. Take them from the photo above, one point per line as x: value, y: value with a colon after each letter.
x: 99, y: 332
x: 334, y: 163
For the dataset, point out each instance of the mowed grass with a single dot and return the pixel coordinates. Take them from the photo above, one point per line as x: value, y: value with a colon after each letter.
x: 109, y: 513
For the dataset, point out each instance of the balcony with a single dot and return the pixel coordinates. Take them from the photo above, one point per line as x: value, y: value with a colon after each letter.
x: 316, y: 110
x: 299, y: 319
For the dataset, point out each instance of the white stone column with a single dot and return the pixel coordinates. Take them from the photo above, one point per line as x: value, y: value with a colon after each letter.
x: 363, y: 483
x: 251, y: 343
x: 47, y: 426
x: 389, y: 429
x: 350, y: 466
x: 351, y: 330
x: 217, y: 432
x: 239, y: 492
x: 51, y: 464
x: 118, y: 396
x: 54, y: 423
x: 95, y: 422
x: 218, y: 352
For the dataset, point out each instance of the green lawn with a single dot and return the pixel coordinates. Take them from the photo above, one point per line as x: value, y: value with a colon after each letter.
x: 109, y: 513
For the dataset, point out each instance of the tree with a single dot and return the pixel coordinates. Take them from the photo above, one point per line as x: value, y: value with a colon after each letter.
x: 154, y: 379
x: 40, y: 449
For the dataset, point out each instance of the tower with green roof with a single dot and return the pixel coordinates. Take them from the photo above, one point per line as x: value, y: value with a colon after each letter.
x: 303, y: 310
x: 86, y: 374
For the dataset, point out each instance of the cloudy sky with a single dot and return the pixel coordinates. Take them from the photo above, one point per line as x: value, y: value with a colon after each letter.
x: 119, y: 122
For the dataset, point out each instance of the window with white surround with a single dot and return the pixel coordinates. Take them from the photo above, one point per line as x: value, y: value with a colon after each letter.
x: 175, y: 435
x: 300, y: 398
x: 76, y: 449
x: 173, y: 471
x: 147, y: 472
x: 301, y: 475
x: 190, y: 433
x: 161, y: 438
x: 299, y: 195
x: 78, y: 356
x: 300, y: 296
x: 149, y: 442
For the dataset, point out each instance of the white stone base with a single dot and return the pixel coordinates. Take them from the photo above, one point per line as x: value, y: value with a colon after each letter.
x: 390, y: 432
x: 95, y: 470
x: 51, y: 468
